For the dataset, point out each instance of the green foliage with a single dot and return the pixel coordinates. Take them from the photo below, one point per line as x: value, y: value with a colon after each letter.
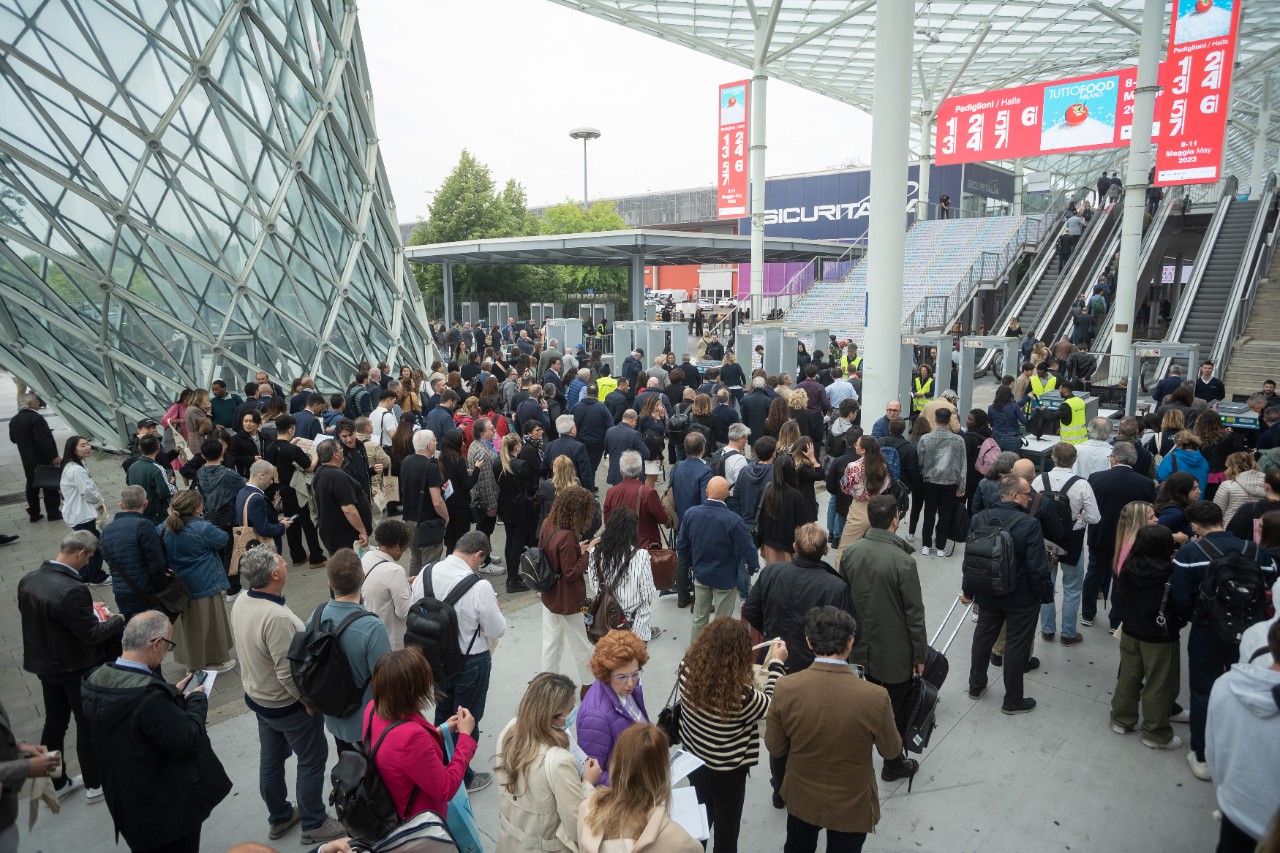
x: 570, y: 217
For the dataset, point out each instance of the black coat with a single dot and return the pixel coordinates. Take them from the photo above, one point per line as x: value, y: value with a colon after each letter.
x: 60, y: 631
x: 160, y: 775
x: 755, y: 411
x: 592, y: 420
x: 243, y: 450
x: 1115, y: 488
x: 1032, y: 587
x: 569, y: 446
x: 1142, y: 589
x: 30, y: 432
x: 785, y: 593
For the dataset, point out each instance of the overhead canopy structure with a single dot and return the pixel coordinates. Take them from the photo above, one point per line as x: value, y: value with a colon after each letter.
x: 632, y: 248
x: 960, y: 47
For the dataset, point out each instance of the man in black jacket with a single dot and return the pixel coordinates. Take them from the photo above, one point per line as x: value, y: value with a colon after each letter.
x: 755, y: 409
x: 569, y: 445
x: 619, y: 439
x: 618, y: 400
x: 592, y: 421
x: 1115, y: 489
x: 62, y: 639
x: 159, y: 772
x: 133, y: 550
x: 1017, y: 610
x: 36, y: 446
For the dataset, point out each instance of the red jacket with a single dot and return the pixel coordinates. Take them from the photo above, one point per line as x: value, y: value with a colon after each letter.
x: 412, y: 757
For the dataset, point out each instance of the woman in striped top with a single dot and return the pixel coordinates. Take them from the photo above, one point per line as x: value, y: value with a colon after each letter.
x: 722, y: 709
x: 619, y: 564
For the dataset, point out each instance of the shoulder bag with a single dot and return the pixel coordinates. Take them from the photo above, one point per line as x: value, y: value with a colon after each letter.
x: 669, y: 717
x: 47, y: 477
x: 243, y: 538
x: 662, y: 561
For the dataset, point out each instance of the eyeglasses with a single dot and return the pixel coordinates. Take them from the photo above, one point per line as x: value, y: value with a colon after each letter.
x: 625, y: 677
x: 170, y: 643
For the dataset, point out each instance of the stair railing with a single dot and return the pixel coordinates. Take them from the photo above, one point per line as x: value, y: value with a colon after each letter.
x: 1248, y: 275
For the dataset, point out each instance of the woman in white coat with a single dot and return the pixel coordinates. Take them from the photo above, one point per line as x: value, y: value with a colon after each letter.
x: 540, y: 783
x: 81, y: 501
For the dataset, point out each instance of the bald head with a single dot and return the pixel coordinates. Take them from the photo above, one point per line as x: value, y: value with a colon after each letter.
x: 718, y: 489
x: 1024, y: 468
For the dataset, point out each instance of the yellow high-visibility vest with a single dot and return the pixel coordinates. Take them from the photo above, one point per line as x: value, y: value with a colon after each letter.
x: 1041, y: 388
x: 1074, y: 432
x: 845, y: 364
x: 926, y: 388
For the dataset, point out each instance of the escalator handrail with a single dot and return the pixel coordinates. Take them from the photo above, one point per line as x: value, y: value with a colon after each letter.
x: 1188, y: 296
x: 1247, y: 275
x: 1039, y: 324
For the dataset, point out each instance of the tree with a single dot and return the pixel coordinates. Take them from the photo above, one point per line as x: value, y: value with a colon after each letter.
x: 571, y: 217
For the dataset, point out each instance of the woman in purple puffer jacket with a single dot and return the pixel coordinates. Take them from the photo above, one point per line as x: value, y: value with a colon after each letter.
x: 616, y: 701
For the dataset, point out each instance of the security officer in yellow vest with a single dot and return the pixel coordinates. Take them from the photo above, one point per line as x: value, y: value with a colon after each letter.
x: 851, y: 362
x: 1043, y: 381
x: 1071, y: 417
x: 921, y: 390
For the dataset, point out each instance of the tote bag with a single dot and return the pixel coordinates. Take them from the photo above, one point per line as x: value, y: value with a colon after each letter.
x: 461, y: 820
x: 243, y: 538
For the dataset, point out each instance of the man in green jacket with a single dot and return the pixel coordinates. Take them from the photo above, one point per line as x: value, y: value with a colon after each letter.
x: 154, y: 480
x: 885, y: 586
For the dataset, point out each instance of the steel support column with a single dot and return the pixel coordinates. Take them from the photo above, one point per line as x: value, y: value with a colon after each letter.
x: 447, y: 291
x: 887, y: 239
x: 926, y: 163
x: 1258, y: 176
x: 1135, y: 185
x: 759, y: 82
x: 1016, y: 209
x: 636, y: 286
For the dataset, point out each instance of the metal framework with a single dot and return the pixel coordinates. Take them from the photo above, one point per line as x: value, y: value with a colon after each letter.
x: 191, y: 191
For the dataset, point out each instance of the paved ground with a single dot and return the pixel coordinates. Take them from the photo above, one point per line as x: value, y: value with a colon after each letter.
x: 1056, y: 779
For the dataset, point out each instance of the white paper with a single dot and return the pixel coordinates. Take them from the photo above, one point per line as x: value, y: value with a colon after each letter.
x: 210, y: 677
x: 689, y: 813
x: 683, y: 763
x: 577, y: 753
x: 447, y: 491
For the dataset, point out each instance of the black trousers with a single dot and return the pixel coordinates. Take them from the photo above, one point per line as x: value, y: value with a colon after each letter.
x: 62, y: 702
x: 802, y: 837
x: 519, y: 536
x: 189, y: 843
x: 1021, y: 624
x: 304, y: 526
x: 939, y: 506
x: 594, y: 455
x: 51, y: 497
x: 459, y: 524
x: 722, y: 792
x: 1231, y: 838
x: 899, y: 698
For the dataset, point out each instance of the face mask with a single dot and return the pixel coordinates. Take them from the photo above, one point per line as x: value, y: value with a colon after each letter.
x: 568, y: 721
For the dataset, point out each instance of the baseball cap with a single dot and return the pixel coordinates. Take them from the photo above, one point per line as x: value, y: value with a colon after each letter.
x: 147, y: 422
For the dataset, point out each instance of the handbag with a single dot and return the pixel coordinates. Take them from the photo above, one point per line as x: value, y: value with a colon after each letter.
x: 429, y: 532
x: 669, y: 716
x: 47, y: 477
x: 461, y: 819
x: 669, y: 504
x: 243, y: 538
x: 662, y: 561
x: 172, y: 600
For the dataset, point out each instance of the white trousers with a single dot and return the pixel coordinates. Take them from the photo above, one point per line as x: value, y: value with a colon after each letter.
x: 559, y: 632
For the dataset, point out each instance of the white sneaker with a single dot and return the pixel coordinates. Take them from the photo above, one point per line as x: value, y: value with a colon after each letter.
x: 222, y: 667
x: 1175, y: 743
x: 949, y: 550
x: 926, y: 551
x: 75, y: 783
x: 1183, y: 716
x: 1120, y: 730
x: 1198, y: 768
x: 911, y: 537
x: 93, y: 795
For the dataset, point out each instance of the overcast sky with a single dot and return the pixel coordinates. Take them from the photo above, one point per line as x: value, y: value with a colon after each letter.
x: 508, y: 80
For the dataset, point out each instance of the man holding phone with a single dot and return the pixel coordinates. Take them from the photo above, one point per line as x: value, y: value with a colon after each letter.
x: 160, y: 775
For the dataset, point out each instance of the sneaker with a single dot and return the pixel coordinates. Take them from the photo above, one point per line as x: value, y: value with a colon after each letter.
x: 327, y: 831
x: 479, y: 782
x: 8, y: 539
x: 222, y: 667
x: 493, y: 567
x: 1119, y: 729
x: 948, y: 551
x: 1033, y: 663
x: 1026, y: 706
x: 657, y: 632
x: 517, y: 586
x: 976, y: 692
x: 926, y: 551
x: 997, y: 660
x: 1048, y: 636
x: 93, y: 795
x: 1198, y: 768
x: 104, y: 582
x: 1087, y: 622
x: 1174, y: 743
x: 1072, y: 641
x: 911, y: 537
x: 1182, y: 716
x: 497, y: 561
x: 73, y: 783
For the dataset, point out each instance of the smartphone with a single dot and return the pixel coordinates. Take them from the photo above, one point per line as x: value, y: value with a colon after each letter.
x: 197, y: 678
x: 294, y: 517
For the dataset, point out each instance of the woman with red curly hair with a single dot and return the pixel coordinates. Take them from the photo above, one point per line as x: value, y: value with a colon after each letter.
x: 616, y: 700
x: 722, y: 708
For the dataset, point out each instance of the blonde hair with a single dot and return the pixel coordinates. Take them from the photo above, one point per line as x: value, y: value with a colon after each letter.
x: 1187, y: 440
x: 509, y: 450
x: 563, y: 473
x: 1173, y: 419
x: 184, y: 507
x: 640, y: 780
x: 547, y: 695
x: 1238, y: 463
x: 199, y: 398
x: 1132, y: 519
x: 788, y: 434
x: 798, y: 399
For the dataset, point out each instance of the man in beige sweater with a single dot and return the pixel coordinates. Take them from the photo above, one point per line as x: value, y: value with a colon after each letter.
x: 263, y: 627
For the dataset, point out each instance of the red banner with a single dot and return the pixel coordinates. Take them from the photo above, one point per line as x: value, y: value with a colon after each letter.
x: 731, y: 147
x: 1192, y: 114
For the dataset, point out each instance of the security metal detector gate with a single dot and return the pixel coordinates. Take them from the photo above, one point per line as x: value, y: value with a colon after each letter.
x: 567, y: 331
x: 1162, y: 352
x: 774, y: 355
x: 969, y: 347
x: 814, y: 338
x: 627, y: 335
x: 908, y: 366
x: 664, y: 337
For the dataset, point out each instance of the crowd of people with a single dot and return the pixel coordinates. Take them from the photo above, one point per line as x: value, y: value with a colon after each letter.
x: 814, y: 633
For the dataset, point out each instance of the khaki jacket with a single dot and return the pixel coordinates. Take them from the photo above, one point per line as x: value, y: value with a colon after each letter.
x: 930, y: 414
x: 885, y: 585
x: 544, y: 814
x: 826, y: 720
x: 660, y: 835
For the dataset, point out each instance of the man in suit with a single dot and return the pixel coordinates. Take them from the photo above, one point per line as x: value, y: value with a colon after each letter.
x: 825, y: 721
x: 1115, y: 488
x: 619, y: 439
x: 569, y: 445
x: 755, y: 409
x: 36, y: 446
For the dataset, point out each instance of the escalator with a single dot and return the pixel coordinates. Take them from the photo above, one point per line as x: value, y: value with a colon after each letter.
x: 1049, y: 306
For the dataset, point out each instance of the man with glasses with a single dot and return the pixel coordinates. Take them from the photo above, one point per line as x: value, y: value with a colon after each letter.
x: 150, y: 742
x: 1017, y: 610
x: 880, y: 428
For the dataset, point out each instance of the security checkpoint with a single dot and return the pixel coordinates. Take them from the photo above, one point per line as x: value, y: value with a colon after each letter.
x: 907, y: 368
x: 567, y: 331
x: 664, y: 337
x: 970, y: 345
x: 1163, y: 352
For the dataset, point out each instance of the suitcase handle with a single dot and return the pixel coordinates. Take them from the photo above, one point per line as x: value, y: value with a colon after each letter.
x: 934, y: 639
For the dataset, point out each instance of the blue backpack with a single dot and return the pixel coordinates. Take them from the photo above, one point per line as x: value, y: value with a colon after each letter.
x: 893, y: 460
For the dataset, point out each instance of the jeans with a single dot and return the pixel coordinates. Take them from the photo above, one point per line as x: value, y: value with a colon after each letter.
x: 1207, y: 658
x: 1072, y: 584
x: 939, y: 506
x: 1097, y: 579
x: 835, y: 519
x: 468, y: 689
x: 710, y: 603
x: 1021, y: 624
x: 722, y: 792
x: 1149, y: 671
x: 301, y: 734
x: 566, y: 633
x: 802, y: 837
x: 92, y: 571
x: 61, y: 693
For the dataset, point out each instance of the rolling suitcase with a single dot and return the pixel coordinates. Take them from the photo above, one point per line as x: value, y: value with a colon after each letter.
x: 922, y: 706
x: 935, y: 663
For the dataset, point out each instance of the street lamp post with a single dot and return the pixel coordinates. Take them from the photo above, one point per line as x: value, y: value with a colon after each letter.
x: 585, y: 134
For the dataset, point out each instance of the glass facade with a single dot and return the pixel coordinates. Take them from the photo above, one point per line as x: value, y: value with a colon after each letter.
x: 191, y: 191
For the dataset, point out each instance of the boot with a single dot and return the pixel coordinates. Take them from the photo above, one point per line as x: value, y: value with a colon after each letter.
x: 899, y: 768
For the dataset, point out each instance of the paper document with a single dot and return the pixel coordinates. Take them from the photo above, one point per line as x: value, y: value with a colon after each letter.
x: 205, y: 678
x: 578, y: 755
x: 683, y: 763
x: 689, y: 813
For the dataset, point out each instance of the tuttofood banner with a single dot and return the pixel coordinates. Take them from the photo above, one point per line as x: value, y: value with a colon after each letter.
x: 731, y: 151
x: 1196, y: 79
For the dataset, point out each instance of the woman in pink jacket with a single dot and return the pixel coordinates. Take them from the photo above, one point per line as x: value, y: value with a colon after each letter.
x: 411, y: 759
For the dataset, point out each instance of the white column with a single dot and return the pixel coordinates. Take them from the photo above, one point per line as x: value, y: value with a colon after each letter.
x: 1016, y: 210
x: 891, y: 104
x: 758, y: 81
x: 1259, y: 177
x: 447, y: 290
x: 926, y: 162
x: 1135, y: 185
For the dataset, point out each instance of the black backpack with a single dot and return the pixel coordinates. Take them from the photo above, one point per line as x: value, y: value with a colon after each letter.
x: 1234, y: 594
x: 359, y: 796
x: 920, y: 718
x: 990, y: 565
x: 1060, y: 503
x: 536, y: 570
x: 710, y: 439
x: 432, y: 626
x: 720, y: 459
x: 321, y: 670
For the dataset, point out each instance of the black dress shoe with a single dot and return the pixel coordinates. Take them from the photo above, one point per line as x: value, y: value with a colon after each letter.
x: 517, y: 586
x: 777, y: 801
x: 36, y: 517
x: 1033, y: 663
x: 997, y: 660
x: 8, y: 540
x: 55, y: 516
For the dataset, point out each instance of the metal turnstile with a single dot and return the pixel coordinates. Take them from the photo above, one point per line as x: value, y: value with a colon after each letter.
x: 665, y: 337
x: 1162, y: 352
x: 907, y: 366
x: 810, y: 336
x: 566, y: 331
x: 774, y: 353
x: 970, y: 345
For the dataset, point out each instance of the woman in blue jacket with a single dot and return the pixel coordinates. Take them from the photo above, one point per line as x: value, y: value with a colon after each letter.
x: 1187, y: 458
x: 1007, y: 419
x: 193, y: 547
